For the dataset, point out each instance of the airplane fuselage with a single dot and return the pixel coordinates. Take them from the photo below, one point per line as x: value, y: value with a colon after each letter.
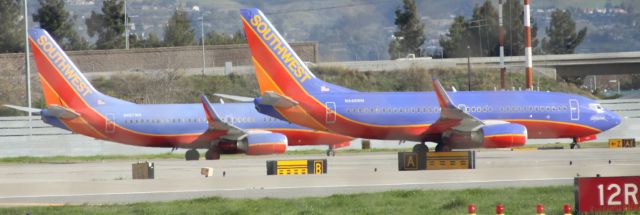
x: 407, y: 115
x: 184, y: 125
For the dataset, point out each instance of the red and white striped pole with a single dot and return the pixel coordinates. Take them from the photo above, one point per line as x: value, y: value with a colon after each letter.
x: 527, y: 49
x: 503, y: 69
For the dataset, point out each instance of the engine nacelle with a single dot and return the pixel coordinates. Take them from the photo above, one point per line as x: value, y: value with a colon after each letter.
x: 504, y: 135
x: 489, y: 136
x: 263, y: 144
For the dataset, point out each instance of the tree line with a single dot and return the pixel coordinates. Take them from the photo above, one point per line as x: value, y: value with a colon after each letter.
x: 108, y: 25
x: 478, y: 34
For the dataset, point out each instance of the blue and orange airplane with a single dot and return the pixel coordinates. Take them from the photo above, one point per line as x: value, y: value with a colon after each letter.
x: 72, y: 103
x: 455, y: 120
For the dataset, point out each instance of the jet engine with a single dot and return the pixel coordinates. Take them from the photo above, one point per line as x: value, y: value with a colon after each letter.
x: 256, y: 144
x: 488, y: 136
x: 263, y: 144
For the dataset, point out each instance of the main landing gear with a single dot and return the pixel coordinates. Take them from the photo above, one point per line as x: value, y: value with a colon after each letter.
x: 575, y: 144
x: 331, y: 152
x: 192, y: 155
x: 212, y: 154
x: 441, y: 147
x: 421, y: 148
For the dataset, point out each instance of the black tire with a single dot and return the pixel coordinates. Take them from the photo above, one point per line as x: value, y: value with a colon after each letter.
x: 443, y: 148
x: 331, y: 153
x: 420, y: 148
x: 212, y: 154
x: 192, y: 155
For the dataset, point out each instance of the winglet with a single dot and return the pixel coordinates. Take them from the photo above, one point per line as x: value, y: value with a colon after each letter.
x: 443, y: 98
x: 211, y: 113
x: 216, y: 123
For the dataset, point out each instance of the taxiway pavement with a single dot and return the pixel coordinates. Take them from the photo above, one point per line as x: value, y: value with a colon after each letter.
x: 110, y: 181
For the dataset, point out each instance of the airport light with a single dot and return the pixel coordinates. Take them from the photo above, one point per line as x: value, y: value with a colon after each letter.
x: 27, y: 75
x: 201, y: 18
x: 618, y: 82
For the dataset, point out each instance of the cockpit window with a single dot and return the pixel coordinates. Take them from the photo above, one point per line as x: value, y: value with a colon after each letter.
x: 597, y: 107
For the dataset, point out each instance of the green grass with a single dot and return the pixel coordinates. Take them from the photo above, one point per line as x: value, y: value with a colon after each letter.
x: 78, y: 159
x: 516, y: 201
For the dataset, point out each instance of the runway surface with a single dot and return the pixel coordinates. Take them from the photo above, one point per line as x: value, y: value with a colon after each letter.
x: 110, y: 181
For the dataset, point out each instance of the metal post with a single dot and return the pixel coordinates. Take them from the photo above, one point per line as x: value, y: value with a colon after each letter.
x: 618, y: 87
x: 202, y: 38
x: 27, y: 75
x: 527, y: 49
x: 126, y: 26
x: 469, y: 68
x: 503, y: 68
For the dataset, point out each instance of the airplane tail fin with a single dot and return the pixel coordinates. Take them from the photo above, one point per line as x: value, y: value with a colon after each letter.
x: 278, y: 67
x: 62, y: 82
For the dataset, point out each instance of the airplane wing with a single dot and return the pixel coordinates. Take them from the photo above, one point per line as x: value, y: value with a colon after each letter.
x: 234, y: 97
x: 451, y: 117
x: 277, y: 100
x: 217, y: 124
x: 24, y: 109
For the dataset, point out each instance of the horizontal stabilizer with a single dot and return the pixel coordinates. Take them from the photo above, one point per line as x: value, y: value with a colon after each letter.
x: 24, y: 109
x: 234, y: 97
x: 61, y: 112
x: 217, y: 124
x: 277, y: 100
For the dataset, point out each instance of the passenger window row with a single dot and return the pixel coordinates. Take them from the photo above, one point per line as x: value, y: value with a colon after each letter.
x: 394, y: 110
x: 474, y: 109
x: 164, y: 121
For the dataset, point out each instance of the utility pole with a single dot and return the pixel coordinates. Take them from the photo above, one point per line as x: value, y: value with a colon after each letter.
x: 469, y: 68
x: 503, y: 68
x: 126, y: 27
x: 27, y: 75
x: 204, y: 65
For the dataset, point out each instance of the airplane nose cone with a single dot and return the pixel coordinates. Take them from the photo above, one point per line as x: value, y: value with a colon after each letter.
x: 614, y: 119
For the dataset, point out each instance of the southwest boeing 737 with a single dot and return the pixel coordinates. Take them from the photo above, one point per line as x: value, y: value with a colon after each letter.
x: 72, y: 103
x: 455, y: 120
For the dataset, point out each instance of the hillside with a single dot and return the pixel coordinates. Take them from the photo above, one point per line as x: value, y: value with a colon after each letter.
x: 361, y: 29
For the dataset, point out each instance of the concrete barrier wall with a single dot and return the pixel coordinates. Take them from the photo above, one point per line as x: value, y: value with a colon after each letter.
x: 163, y: 59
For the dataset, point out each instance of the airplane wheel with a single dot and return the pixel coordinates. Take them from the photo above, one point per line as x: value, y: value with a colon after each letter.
x: 420, y: 148
x: 443, y: 148
x: 331, y: 153
x: 192, y: 155
x: 574, y: 146
x: 212, y: 154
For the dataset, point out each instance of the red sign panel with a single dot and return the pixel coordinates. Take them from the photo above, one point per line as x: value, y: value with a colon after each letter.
x: 602, y: 194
